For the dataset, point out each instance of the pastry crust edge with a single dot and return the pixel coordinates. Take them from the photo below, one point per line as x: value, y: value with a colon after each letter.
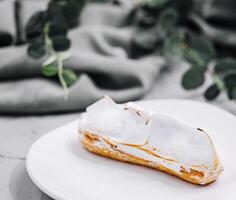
x: 89, y: 139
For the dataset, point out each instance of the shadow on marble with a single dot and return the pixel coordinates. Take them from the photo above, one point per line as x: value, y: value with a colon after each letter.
x: 22, y: 188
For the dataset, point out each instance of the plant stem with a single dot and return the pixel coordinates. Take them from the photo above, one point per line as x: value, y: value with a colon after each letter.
x: 218, y: 82
x: 59, y: 60
x: 195, y: 57
x: 60, y: 76
x: 48, y: 41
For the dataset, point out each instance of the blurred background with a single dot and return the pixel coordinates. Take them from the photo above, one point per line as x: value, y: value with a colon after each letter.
x: 62, y: 55
x: 59, y: 56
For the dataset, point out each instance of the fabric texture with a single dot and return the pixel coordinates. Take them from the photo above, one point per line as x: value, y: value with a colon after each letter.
x: 100, y: 56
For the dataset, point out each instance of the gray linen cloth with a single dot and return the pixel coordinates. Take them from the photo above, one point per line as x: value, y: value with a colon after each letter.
x: 99, y: 55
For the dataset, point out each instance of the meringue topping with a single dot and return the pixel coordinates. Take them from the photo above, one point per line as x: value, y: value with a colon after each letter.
x: 152, y: 136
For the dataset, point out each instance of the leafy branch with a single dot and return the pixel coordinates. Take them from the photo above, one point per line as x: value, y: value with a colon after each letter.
x: 46, y: 33
x: 165, y: 26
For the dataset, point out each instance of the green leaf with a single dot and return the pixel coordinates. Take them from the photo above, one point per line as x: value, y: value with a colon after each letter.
x: 69, y: 76
x: 37, y: 48
x: 72, y: 11
x: 157, y: 3
x: 49, y: 71
x: 193, y: 78
x: 57, y: 30
x: 200, y: 51
x: 168, y: 19
x: 35, y: 25
x: 230, y: 85
x: 183, y: 7
x: 55, y: 13
x: 225, y: 65
x: 172, y: 45
x: 145, y: 17
x: 60, y: 43
x: 212, y: 92
x: 145, y: 35
x: 66, y: 11
x: 232, y: 93
x: 230, y: 80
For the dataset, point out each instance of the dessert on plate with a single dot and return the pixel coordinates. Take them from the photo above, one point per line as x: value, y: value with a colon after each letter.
x: 128, y: 133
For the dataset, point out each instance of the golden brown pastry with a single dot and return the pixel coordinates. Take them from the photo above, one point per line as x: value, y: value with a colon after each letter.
x: 130, y: 134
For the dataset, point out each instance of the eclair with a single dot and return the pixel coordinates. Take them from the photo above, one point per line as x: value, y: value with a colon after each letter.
x: 128, y: 133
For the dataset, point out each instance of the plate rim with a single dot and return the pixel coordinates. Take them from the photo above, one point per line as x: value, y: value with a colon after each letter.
x: 54, y: 196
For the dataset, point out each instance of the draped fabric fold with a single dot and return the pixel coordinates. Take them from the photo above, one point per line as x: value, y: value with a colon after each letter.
x: 100, y: 56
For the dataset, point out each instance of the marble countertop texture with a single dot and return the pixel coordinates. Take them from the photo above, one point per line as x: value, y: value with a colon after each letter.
x: 18, y: 133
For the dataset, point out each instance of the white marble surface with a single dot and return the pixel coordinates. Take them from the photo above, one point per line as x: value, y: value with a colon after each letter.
x: 16, y: 136
x: 18, y: 133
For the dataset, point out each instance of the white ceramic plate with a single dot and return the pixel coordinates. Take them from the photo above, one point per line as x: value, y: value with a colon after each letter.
x: 60, y: 167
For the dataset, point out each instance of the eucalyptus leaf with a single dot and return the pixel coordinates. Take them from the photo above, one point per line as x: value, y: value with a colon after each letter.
x: 225, y: 65
x: 145, y: 17
x: 194, y: 57
x: 46, y: 32
x: 55, y: 13
x: 69, y: 9
x: 203, y: 45
x: 145, y: 33
x: 168, y: 19
x: 230, y: 85
x: 172, y: 45
x: 49, y: 71
x: 199, y: 50
x: 230, y: 80
x: 60, y: 43
x: 193, y: 78
x: 69, y: 76
x: 156, y: 3
x: 37, y: 48
x: 212, y: 92
x: 232, y: 93
x: 35, y: 25
x: 72, y: 11
x: 183, y: 7
x: 57, y: 29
